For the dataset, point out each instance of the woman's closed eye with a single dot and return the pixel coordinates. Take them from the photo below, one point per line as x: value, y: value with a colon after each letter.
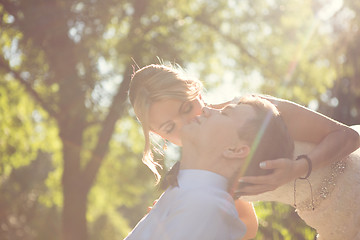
x: 169, y: 128
x: 187, y: 107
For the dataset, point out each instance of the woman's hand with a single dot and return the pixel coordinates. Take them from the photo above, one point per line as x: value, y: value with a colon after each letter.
x: 285, y: 170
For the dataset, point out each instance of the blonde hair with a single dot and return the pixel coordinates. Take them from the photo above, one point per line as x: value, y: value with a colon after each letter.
x: 156, y: 83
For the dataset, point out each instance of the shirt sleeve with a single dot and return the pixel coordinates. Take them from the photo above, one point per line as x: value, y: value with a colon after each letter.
x: 200, y: 215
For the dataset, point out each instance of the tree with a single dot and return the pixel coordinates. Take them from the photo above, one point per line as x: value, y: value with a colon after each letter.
x: 61, y: 75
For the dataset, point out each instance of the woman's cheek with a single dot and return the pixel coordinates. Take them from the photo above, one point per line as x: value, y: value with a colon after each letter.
x: 198, y: 109
x: 174, y: 138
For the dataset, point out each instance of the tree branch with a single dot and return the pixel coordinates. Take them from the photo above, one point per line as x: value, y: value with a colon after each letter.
x: 9, y: 7
x: 116, y: 108
x: 237, y: 43
x: 5, y: 66
x: 227, y: 38
x: 108, y: 126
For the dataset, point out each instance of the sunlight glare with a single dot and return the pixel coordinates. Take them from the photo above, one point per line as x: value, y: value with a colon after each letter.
x: 329, y: 9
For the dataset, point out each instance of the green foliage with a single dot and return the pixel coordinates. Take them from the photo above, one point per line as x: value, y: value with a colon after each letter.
x: 280, y: 221
x: 30, y: 165
x: 24, y: 127
x: 124, y: 187
x: 15, y: 126
x: 23, y: 214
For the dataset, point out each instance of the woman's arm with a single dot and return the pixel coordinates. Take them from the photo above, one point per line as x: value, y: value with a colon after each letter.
x: 333, y: 140
x: 247, y: 215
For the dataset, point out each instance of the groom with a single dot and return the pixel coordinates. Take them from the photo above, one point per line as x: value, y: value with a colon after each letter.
x: 216, y: 146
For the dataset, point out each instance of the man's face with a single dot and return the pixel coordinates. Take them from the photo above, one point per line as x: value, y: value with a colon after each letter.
x: 215, y: 130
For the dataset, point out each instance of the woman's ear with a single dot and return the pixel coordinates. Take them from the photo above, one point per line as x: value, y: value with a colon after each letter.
x: 241, y: 151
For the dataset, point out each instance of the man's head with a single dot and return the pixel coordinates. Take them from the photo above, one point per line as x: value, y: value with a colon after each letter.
x: 211, y: 138
x: 266, y: 133
x: 250, y: 130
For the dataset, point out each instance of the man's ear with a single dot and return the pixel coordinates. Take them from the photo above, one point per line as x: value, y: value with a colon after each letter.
x: 240, y: 151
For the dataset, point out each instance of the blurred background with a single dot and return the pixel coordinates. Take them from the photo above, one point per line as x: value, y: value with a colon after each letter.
x: 70, y: 146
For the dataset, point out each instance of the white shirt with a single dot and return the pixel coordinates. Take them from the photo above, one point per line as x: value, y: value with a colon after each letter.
x: 200, y: 208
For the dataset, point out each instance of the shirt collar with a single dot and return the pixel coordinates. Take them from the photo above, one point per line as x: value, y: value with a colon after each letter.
x: 201, y: 178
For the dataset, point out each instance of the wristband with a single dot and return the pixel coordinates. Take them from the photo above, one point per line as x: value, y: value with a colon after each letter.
x: 308, y: 160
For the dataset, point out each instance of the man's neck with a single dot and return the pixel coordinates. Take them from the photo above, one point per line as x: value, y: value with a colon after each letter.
x: 191, y: 159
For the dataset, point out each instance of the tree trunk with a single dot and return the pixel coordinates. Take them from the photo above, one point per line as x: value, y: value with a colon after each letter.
x: 74, y: 213
x: 74, y: 190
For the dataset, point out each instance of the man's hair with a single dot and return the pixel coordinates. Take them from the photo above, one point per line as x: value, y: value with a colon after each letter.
x: 267, y: 135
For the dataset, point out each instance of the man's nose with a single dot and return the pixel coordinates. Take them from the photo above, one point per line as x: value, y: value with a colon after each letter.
x: 206, y: 112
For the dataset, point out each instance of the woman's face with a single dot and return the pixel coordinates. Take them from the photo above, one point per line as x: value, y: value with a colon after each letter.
x: 167, y: 117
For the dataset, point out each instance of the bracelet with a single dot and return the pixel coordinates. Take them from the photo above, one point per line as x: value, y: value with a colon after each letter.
x: 308, y: 160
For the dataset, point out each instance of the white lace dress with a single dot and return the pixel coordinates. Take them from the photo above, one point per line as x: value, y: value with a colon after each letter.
x: 336, y: 197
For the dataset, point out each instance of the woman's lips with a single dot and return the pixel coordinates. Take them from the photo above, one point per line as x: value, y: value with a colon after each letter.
x: 196, y: 120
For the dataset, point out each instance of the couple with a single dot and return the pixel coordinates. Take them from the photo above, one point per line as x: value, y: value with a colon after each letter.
x: 216, y: 148
x: 165, y: 100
